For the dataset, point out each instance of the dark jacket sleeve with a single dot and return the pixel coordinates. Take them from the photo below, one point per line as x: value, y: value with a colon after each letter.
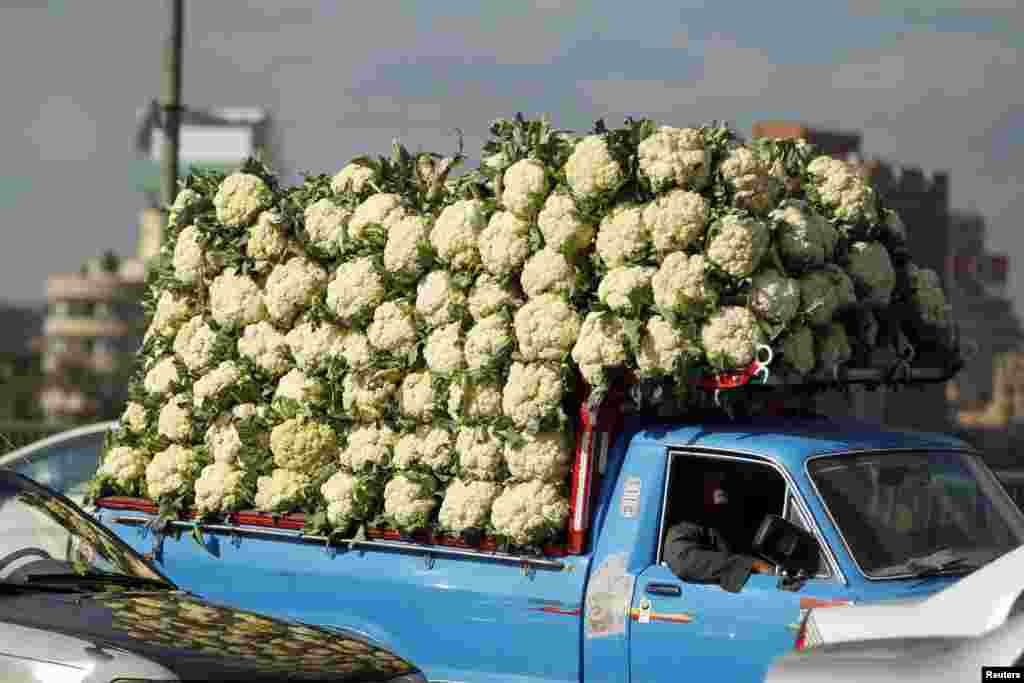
x: 700, y: 555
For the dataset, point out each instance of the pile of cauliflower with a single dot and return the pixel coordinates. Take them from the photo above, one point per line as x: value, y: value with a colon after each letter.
x: 394, y: 346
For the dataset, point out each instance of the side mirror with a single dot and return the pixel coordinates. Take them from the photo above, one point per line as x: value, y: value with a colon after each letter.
x: 788, y: 546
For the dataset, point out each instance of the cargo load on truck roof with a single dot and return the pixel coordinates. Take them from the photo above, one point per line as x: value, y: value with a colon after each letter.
x: 399, y: 348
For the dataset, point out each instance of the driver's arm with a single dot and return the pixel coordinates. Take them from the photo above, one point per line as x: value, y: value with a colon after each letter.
x: 696, y: 554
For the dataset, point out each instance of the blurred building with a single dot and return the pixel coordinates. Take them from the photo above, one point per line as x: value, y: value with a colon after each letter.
x: 923, y: 204
x: 20, y: 367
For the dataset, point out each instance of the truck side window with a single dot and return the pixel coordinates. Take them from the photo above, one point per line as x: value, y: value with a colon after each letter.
x: 793, y: 516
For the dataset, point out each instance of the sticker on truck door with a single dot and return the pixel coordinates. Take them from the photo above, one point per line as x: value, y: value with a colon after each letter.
x: 629, y: 507
x: 608, y: 599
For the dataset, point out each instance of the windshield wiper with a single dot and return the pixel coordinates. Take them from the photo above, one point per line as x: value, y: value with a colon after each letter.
x: 11, y: 588
x: 97, y: 577
x: 940, y: 562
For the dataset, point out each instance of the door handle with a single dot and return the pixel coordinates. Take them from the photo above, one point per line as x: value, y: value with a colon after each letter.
x: 663, y: 589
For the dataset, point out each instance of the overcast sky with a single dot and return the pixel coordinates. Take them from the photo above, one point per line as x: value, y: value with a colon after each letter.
x: 940, y: 88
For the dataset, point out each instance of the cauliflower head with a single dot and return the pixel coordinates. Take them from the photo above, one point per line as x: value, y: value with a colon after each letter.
x: 738, y: 245
x: 171, y: 471
x: 542, y: 457
x: 547, y: 271
x: 546, y: 328
x: 218, y: 488
x: 529, y: 512
x: 681, y: 284
x: 281, y: 490
x: 490, y: 295
x: 479, y: 453
x: 175, y: 421
x: 731, y: 336
x: 370, y: 447
x: 623, y: 236
x: 314, y: 343
x: 561, y: 226
x: 124, y: 466
x: 456, y: 231
x: 134, y: 418
x: 348, y: 499
x: 806, y: 239
x: 355, y: 289
x: 194, y: 343
x: 236, y: 300
x: 436, y: 295
x: 365, y: 395
x: 662, y: 344
x: 383, y: 209
x: 354, y: 178
x: 872, y: 272
x: 214, y: 382
x: 504, y: 243
x: 750, y: 177
x: 325, y: 223
x: 676, y: 220
x: 355, y: 349
x: 292, y: 286
x: 162, y: 377
x: 525, y: 187
x: 268, y: 242
x: 266, y: 347
x: 189, y: 260
x: 410, y: 500
x: 405, y: 244
x: 675, y: 157
x: 302, y: 444
x: 444, y: 352
x: 467, y: 505
x: 429, y: 446
x: 393, y: 329
x: 223, y: 441
x: 774, y: 297
x: 532, y: 393
x: 472, y: 401
x: 626, y: 289
x: 299, y: 387
x: 591, y: 169
x: 601, y: 344
x: 842, y: 189
x: 416, y: 396
x: 240, y: 198
x: 171, y: 311
x: 487, y: 341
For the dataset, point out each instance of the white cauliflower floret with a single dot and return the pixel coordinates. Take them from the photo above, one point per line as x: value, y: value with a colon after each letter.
x: 354, y: 178
x: 365, y: 395
x: 435, y: 295
x: 474, y: 400
x: 546, y: 328
x: 529, y: 512
x: 189, y: 256
x: 265, y: 346
x: 162, y: 376
x: 798, y: 350
x: 444, y: 349
x: 240, y: 198
x: 214, y: 382
x: 806, y: 239
x: 681, y: 283
x: 532, y: 392
x: 302, y: 444
x: 393, y: 329
x: 298, y: 386
x: 731, y: 336
x: 623, y: 236
x: 601, y: 344
x: 561, y: 227
x: 479, y: 453
x: 369, y: 447
x: 268, y: 242
x: 236, y: 300
x: 548, y: 271
x: 661, y: 345
x: 543, y: 457
x: 754, y: 187
x: 291, y: 287
x: 325, y: 223
x: 175, y: 420
x: 467, y: 505
x: 525, y: 185
x: 676, y: 220
x: 346, y: 500
x: 280, y: 490
x: 872, y: 272
x: 455, y: 233
x: 355, y: 349
x: 355, y: 289
x: 774, y: 297
x: 171, y: 312
x: 738, y: 245
x: 675, y: 156
x: 223, y: 440
x: 194, y: 343
x: 591, y: 169
x: 406, y: 239
x: 124, y: 465
x: 841, y: 188
x: 428, y: 446
x: 489, y: 296
x: 416, y: 397
x: 170, y: 471
x: 183, y: 202
x: 382, y: 209
x: 625, y: 288
x: 314, y: 343
x: 927, y: 297
x: 410, y: 500
x: 486, y: 341
x: 218, y: 488
x: 504, y: 243
x: 833, y: 347
x: 134, y: 418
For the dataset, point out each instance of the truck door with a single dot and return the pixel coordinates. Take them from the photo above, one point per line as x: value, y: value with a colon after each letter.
x: 704, y: 630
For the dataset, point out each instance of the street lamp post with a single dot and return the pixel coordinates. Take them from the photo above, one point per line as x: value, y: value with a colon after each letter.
x: 171, y: 104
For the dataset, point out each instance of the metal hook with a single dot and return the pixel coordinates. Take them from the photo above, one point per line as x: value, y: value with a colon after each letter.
x: 428, y: 560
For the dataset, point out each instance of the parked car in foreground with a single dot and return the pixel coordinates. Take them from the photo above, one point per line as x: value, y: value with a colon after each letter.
x: 77, y: 604
x: 979, y: 602
x: 936, y: 660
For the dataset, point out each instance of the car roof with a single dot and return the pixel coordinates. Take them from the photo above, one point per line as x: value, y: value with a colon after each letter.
x: 790, y: 440
x: 100, y: 428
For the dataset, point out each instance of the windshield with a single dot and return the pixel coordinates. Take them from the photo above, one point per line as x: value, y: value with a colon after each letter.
x: 42, y: 535
x: 908, y: 513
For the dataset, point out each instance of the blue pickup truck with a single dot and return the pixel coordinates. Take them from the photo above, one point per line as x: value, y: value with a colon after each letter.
x: 847, y: 512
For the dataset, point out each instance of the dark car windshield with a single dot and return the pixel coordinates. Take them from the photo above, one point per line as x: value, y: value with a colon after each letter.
x: 39, y: 529
x: 899, y: 512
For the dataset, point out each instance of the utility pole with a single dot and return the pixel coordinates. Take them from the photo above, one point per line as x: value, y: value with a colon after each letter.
x: 170, y: 105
